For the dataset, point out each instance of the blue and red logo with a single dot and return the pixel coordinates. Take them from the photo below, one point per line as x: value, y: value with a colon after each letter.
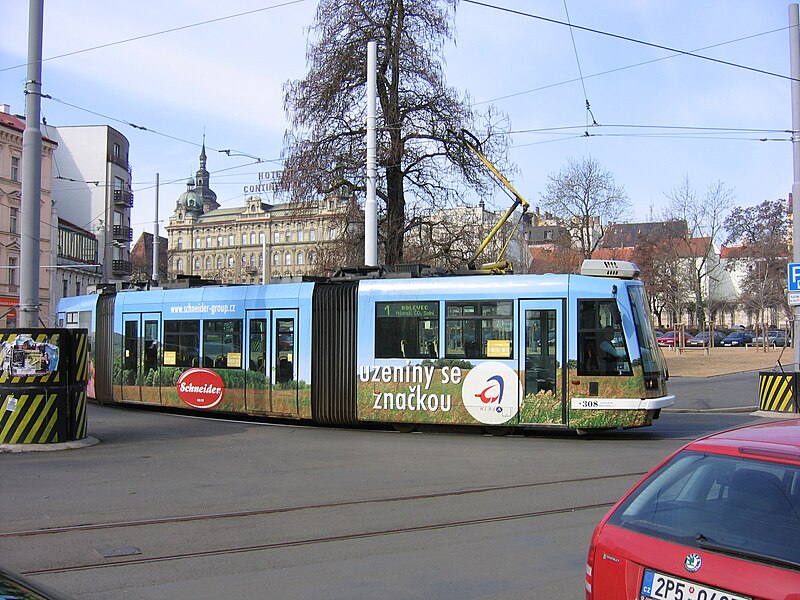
x: 491, y: 393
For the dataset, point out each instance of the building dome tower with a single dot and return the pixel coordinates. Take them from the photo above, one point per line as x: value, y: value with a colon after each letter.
x: 207, y: 195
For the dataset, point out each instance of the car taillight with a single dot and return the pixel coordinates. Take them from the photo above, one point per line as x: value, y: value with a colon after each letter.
x: 589, y: 566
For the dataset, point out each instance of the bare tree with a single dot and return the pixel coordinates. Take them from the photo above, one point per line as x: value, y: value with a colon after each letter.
x: 704, y: 218
x: 762, y: 231
x: 420, y: 169
x: 585, y: 197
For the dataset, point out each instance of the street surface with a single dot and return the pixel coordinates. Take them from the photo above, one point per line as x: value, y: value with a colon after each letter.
x: 169, y: 506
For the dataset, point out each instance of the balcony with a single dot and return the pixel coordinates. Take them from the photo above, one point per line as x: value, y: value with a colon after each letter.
x: 123, y: 198
x: 118, y: 160
x: 121, y: 267
x: 121, y: 232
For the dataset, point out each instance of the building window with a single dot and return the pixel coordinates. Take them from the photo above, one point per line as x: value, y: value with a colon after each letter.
x: 230, y: 240
x: 244, y: 239
x: 277, y: 237
x: 65, y: 288
x: 230, y: 261
x: 197, y: 242
x: 288, y: 237
x: 312, y: 235
x: 116, y: 150
x: 77, y: 288
x: 253, y: 239
x: 300, y: 258
x: 14, y: 168
x: 219, y: 241
x: 180, y: 243
x: 208, y: 241
x: 12, y: 271
x: 12, y: 220
x: 300, y: 235
x: 219, y: 262
x: 208, y: 264
x: 179, y: 265
x: 252, y: 261
x: 196, y: 264
x: 332, y: 234
x: 276, y: 259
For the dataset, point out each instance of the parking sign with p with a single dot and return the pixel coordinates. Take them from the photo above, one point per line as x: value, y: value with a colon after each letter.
x: 794, y: 277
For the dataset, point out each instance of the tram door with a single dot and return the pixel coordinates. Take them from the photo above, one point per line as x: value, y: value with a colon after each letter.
x: 140, y: 348
x: 271, y: 370
x: 543, y: 360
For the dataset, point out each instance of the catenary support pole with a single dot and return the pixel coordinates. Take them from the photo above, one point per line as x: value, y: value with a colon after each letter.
x: 155, y: 239
x: 371, y: 205
x: 794, y: 46
x: 32, y: 173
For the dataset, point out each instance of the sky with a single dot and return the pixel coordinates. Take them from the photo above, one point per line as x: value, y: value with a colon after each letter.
x: 184, y: 69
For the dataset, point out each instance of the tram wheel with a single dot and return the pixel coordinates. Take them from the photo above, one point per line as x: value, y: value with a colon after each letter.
x: 405, y: 427
x: 497, y: 431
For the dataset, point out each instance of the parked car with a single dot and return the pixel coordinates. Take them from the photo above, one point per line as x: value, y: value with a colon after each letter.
x: 672, y: 338
x: 719, y: 518
x: 774, y: 338
x: 738, y: 338
x: 705, y: 338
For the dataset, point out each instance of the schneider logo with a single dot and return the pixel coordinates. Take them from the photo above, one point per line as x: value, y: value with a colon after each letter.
x: 491, y: 393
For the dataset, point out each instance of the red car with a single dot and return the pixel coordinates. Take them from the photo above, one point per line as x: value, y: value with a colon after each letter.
x: 672, y: 338
x: 717, y: 520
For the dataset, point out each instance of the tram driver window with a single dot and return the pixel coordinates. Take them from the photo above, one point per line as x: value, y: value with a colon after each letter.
x: 406, y: 330
x: 601, y: 340
x: 479, y: 329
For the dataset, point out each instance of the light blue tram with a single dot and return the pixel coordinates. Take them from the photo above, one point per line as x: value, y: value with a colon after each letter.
x: 491, y: 351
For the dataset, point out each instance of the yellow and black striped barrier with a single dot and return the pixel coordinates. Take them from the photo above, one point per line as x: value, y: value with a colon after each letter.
x: 777, y: 392
x: 43, y: 376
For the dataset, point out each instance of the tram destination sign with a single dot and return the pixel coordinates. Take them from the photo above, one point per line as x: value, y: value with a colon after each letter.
x: 408, y: 309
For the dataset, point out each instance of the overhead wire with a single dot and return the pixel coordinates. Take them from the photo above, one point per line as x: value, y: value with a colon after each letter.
x: 162, y: 32
x: 626, y: 67
x: 580, y: 72
x: 630, y: 39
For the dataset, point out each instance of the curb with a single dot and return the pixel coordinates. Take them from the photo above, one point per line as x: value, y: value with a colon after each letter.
x: 73, y: 445
x: 730, y: 409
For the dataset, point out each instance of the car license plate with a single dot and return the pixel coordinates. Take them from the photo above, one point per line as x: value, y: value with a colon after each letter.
x: 665, y: 587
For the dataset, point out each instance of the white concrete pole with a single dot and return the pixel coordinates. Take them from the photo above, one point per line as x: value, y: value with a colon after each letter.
x: 371, y: 205
x: 31, y: 173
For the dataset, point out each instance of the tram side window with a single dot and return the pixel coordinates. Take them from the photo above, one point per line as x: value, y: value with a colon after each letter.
x: 181, y: 343
x: 406, y: 329
x: 222, y: 344
x: 480, y: 329
x: 601, y: 341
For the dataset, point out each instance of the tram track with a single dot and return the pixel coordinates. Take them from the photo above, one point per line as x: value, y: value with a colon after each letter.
x: 317, y: 506
x: 316, y: 540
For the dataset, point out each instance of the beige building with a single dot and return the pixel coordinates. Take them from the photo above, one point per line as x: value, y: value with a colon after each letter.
x: 11, y: 129
x: 229, y: 244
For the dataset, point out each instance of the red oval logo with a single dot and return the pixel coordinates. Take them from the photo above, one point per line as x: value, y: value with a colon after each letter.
x: 200, y: 388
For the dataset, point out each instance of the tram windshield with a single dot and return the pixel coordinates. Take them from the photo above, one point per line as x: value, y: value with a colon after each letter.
x: 652, y: 359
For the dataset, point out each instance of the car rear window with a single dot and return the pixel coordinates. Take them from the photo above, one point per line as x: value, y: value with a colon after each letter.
x: 731, y: 505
